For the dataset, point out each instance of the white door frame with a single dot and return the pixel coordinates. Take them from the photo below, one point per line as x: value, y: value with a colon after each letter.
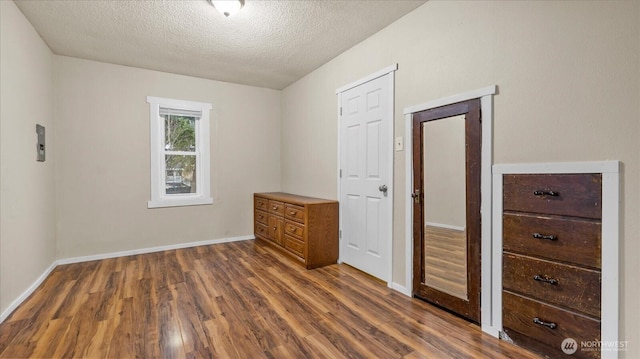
x: 387, y: 70
x: 485, y: 95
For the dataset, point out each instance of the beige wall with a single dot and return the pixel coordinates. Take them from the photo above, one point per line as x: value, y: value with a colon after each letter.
x: 102, y: 171
x: 27, y: 190
x: 568, y: 74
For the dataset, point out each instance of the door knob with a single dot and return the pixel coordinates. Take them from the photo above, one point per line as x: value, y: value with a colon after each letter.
x: 383, y: 188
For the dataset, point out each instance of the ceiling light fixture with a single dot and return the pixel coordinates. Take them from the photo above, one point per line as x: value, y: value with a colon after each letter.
x: 227, y: 7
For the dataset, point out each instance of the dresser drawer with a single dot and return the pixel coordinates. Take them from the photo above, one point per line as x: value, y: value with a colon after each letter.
x: 566, y: 286
x: 261, y: 217
x: 276, y: 207
x: 261, y: 203
x: 519, y: 314
x: 261, y: 230
x: 294, y: 229
x: 294, y: 212
x: 568, y: 240
x: 578, y: 195
x: 294, y: 245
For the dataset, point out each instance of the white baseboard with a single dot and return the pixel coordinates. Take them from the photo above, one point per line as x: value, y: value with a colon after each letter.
x: 446, y: 226
x: 401, y: 288
x: 491, y: 331
x: 5, y: 314
x: 151, y: 250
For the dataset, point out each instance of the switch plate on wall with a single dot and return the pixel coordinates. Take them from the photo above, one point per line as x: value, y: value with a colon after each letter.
x: 40, y: 144
x: 399, y: 143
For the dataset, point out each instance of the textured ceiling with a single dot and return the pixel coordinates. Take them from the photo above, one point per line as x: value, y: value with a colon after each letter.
x: 268, y: 44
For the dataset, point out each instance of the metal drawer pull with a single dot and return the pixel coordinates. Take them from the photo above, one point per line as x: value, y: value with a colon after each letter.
x: 546, y: 193
x: 541, y: 278
x: 549, y: 325
x: 292, y: 213
x: 550, y: 237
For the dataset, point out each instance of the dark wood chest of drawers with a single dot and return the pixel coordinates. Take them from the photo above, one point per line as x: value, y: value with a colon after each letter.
x: 551, y: 272
x: 304, y: 228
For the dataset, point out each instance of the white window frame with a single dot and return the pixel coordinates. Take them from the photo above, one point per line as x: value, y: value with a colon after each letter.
x: 159, y: 198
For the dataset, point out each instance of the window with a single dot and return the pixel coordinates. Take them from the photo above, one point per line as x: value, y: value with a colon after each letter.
x: 180, y: 160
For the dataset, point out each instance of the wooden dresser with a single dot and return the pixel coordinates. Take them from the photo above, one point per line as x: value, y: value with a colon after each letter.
x: 305, y: 228
x: 551, y: 273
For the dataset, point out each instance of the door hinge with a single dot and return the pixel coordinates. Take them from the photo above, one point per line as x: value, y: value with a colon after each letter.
x: 340, y: 233
x: 341, y: 173
x: 340, y: 111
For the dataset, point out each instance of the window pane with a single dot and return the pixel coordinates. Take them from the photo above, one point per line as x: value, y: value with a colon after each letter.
x: 179, y: 133
x: 180, y: 174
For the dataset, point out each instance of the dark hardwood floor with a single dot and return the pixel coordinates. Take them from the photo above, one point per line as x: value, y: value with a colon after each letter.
x: 234, y: 300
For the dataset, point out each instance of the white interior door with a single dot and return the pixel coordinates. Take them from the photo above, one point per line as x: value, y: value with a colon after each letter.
x: 366, y: 133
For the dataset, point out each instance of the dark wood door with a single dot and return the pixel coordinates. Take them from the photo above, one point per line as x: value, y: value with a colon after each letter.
x: 432, y: 252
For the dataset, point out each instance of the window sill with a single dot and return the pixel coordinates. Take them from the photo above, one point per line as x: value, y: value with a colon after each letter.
x: 180, y: 202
